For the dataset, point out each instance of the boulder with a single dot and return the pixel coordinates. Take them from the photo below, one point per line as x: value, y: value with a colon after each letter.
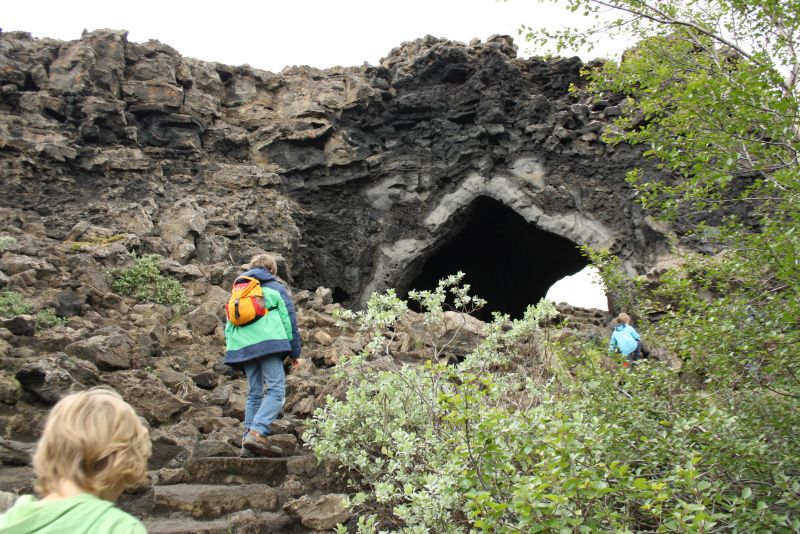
x: 109, y: 352
x: 147, y: 395
x: 21, y: 325
x: 213, y: 501
x: 320, y: 513
x: 47, y: 381
x: 10, y: 389
x: 206, y: 380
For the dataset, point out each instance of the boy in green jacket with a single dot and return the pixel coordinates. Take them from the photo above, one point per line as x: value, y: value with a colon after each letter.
x: 93, y: 448
x: 259, y: 348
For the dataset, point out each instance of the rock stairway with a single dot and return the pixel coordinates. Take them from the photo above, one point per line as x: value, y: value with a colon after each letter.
x: 230, y: 494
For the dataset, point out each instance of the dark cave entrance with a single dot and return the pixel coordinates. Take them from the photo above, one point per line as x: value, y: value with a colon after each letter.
x: 508, y: 261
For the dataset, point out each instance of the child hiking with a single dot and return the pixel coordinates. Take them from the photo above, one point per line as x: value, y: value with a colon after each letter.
x: 260, y: 332
x: 626, y: 339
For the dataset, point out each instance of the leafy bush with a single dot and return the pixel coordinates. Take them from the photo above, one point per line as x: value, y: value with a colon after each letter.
x: 47, y: 318
x: 7, y: 241
x: 13, y: 303
x: 144, y: 282
x: 530, y: 436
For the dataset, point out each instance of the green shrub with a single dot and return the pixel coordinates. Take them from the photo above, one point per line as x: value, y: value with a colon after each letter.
x: 47, y: 318
x: 13, y: 303
x: 527, y: 436
x: 7, y: 241
x: 144, y: 282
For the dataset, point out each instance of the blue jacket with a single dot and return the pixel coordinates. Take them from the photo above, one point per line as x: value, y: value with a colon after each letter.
x: 624, y: 337
x: 274, y: 333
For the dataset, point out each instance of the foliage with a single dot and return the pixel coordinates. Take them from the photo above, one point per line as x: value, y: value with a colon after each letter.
x: 6, y: 242
x: 13, y: 304
x: 527, y: 435
x: 711, y: 93
x: 143, y: 281
x: 82, y: 245
x: 524, y: 436
x: 47, y: 318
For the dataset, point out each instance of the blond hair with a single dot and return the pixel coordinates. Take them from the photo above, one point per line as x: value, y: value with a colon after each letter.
x: 624, y: 318
x: 95, y: 440
x: 266, y: 261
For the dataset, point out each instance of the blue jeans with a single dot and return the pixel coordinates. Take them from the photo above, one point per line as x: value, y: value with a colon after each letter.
x: 262, y: 409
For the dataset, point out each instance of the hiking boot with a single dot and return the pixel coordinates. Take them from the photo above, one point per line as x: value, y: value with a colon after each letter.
x: 260, y: 445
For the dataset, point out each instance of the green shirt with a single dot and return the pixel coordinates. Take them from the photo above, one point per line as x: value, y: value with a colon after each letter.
x: 82, y: 514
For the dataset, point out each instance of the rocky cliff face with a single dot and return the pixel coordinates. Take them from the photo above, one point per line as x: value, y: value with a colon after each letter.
x: 356, y: 176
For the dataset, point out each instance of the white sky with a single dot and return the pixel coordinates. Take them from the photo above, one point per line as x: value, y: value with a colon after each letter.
x: 271, y: 34
x: 583, y: 289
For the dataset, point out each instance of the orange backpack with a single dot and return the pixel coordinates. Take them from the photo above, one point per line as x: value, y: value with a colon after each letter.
x: 246, y: 303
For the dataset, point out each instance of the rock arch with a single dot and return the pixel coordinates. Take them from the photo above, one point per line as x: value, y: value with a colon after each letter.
x: 510, y: 198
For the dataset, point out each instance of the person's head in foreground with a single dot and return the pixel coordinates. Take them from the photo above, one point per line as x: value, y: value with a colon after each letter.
x: 624, y: 318
x: 93, y: 447
x: 94, y: 441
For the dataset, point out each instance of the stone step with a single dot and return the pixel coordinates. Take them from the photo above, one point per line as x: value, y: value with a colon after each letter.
x: 232, y: 470
x: 247, y: 522
x: 209, y: 501
x: 188, y: 526
x: 17, y: 480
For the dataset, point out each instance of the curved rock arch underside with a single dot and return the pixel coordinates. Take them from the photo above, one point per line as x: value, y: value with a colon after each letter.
x: 360, y: 178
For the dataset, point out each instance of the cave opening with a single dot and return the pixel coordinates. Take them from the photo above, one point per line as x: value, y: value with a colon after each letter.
x: 507, y: 261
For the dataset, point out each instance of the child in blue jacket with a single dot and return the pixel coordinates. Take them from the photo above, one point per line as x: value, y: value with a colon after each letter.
x: 626, y: 339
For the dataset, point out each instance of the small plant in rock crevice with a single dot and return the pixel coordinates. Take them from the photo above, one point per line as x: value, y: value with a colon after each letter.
x: 13, y: 304
x: 144, y: 282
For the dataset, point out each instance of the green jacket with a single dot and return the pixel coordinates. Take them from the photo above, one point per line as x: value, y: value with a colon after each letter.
x: 275, y: 333
x: 82, y: 514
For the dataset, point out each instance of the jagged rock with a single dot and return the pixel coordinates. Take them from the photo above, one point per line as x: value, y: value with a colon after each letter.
x: 210, y: 419
x: 184, y: 222
x: 305, y: 406
x: 321, y: 298
x: 235, y: 406
x: 202, y: 323
x: 235, y: 470
x: 287, y: 443
x: 323, y: 338
x: 21, y: 325
x: 320, y: 513
x: 206, y: 380
x: 70, y: 303
x: 83, y: 371
x: 147, y: 395
x: 302, y: 465
x: 46, y: 380
x: 167, y: 476
x: 167, y: 452
x: 15, y: 453
x: 667, y: 356
x: 108, y: 352
x: 210, y: 448
x: 221, y: 395
x: 10, y: 389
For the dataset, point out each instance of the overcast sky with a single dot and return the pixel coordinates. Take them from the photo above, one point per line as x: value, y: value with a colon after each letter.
x: 271, y: 35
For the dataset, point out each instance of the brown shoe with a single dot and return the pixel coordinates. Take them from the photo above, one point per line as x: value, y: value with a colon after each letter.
x: 260, y: 445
